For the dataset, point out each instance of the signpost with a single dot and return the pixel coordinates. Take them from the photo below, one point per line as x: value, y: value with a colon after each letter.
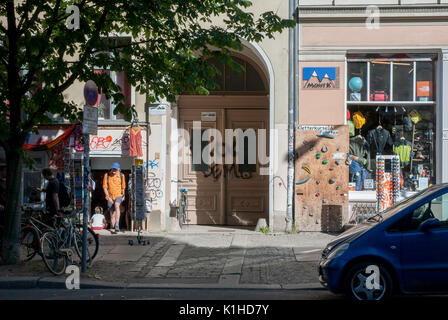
x: 89, y: 126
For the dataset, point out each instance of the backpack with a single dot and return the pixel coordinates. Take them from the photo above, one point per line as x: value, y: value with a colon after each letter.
x: 64, y: 197
x: 121, y: 178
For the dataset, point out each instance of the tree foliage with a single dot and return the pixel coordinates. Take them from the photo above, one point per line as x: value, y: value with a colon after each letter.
x: 170, y: 41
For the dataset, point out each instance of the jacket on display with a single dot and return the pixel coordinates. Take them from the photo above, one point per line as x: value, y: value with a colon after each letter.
x: 403, y: 149
x: 378, y: 138
x: 360, y: 147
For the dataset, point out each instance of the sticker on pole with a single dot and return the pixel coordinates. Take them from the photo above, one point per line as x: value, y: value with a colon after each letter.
x: 91, y: 93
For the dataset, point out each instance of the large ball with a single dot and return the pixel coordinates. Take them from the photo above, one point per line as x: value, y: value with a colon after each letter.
x: 355, y: 84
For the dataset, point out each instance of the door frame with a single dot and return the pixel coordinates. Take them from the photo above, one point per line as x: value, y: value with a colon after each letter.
x: 263, y: 62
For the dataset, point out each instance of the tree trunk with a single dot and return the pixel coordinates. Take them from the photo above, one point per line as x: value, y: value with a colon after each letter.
x: 11, y: 242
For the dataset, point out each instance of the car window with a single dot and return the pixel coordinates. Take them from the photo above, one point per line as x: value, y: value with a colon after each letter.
x: 436, y: 208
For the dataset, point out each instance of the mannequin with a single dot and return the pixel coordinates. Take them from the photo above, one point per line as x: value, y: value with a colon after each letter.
x: 360, y: 160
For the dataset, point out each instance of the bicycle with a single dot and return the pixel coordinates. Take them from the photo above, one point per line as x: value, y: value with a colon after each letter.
x: 61, y: 245
x: 182, y: 209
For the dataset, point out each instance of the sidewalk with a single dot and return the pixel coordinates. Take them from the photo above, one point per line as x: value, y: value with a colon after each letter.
x: 196, y: 257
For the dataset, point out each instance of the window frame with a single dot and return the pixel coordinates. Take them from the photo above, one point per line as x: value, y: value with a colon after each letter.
x: 391, y: 61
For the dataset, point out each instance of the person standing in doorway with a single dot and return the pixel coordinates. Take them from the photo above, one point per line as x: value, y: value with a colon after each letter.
x: 51, y: 192
x: 114, y: 186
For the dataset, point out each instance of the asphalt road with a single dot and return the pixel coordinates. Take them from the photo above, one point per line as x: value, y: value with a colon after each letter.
x: 166, y: 294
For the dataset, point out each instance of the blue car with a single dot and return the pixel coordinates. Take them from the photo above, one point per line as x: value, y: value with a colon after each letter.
x: 403, y: 249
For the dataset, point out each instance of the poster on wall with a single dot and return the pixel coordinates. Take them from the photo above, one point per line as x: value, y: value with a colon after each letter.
x: 320, y: 78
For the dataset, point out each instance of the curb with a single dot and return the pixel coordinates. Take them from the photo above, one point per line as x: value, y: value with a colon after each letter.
x: 58, y: 283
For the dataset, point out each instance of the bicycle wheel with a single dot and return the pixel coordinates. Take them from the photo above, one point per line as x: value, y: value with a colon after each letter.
x: 93, y: 242
x: 77, y: 244
x: 29, y: 243
x: 54, y: 260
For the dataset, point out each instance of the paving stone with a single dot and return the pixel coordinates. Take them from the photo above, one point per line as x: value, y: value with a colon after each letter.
x: 171, y: 256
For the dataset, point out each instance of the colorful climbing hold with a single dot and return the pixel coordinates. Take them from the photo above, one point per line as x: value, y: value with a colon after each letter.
x: 325, y: 162
x: 318, y: 156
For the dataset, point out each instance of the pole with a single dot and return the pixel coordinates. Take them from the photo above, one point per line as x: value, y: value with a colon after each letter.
x: 291, y: 119
x: 86, y: 202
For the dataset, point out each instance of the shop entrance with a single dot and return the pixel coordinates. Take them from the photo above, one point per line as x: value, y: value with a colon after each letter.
x: 225, y: 192
x: 98, y: 198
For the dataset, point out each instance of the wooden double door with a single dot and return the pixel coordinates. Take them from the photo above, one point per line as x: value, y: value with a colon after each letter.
x: 229, y: 183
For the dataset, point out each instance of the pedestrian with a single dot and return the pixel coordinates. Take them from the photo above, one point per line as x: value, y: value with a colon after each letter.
x: 98, y: 221
x: 51, y: 192
x: 114, y: 186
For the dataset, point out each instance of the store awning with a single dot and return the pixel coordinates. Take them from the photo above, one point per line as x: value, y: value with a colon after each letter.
x: 47, y: 139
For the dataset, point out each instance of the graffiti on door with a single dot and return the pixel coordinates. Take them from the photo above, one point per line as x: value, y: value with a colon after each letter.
x: 153, y: 187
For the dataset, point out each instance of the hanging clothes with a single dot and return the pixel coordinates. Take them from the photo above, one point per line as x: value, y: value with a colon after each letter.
x: 135, y: 144
x: 403, y: 149
x: 360, y: 147
x: 377, y: 139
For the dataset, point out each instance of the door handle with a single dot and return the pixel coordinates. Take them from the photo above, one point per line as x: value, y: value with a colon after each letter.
x: 393, y: 247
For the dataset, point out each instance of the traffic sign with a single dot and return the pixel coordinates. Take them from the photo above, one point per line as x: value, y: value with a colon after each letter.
x: 91, y: 93
x: 90, y: 120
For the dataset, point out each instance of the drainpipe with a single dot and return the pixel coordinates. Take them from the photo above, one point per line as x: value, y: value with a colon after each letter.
x: 291, y: 120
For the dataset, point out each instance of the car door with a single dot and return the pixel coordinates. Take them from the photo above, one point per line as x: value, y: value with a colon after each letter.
x: 424, y: 254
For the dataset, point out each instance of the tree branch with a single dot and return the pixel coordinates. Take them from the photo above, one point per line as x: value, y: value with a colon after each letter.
x: 32, y: 71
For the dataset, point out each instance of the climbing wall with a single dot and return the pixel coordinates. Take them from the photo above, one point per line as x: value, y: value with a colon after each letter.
x: 322, y: 174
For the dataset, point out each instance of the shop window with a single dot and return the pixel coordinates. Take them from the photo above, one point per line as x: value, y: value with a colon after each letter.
x: 357, y: 80
x: 33, y: 179
x: 379, y: 81
x: 403, y: 80
x: 406, y: 131
x: 425, y: 81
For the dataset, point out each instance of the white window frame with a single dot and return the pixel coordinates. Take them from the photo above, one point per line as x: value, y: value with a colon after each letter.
x: 391, y: 61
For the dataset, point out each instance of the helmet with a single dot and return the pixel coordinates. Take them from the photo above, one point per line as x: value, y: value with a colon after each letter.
x: 359, y: 119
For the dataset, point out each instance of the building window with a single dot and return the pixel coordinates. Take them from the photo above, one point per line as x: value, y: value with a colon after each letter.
x: 249, y: 81
x: 392, y: 112
x: 107, y: 106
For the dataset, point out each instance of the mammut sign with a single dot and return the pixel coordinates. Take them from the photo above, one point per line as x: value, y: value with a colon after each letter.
x: 320, y: 78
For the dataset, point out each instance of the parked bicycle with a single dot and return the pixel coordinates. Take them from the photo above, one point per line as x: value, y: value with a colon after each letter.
x: 182, y: 213
x: 62, y: 245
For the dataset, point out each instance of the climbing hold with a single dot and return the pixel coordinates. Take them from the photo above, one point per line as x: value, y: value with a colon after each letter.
x: 317, y: 181
x: 312, y: 148
x: 317, y: 194
x: 324, y: 201
x: 311, y: 213
x: 305, y: 207
x: 317, y: 221
x: 318, y: 155
x: 331, y: 169
x: 338, y: 162
x: 325, y: 162
x: 324, y: 149
x: 338, y: 188
x: 331, y: 181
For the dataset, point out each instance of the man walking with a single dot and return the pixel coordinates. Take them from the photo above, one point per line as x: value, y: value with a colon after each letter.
x: 114, y: 186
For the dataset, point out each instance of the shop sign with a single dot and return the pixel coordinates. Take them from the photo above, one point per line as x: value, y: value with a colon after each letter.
x: 208, y: 116
x: 320, y: 78
x: 110, y: 141
x: 321, y: 129
x: 159, y: 109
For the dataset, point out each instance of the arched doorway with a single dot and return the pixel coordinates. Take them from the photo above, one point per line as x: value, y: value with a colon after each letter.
x: 227, y: 189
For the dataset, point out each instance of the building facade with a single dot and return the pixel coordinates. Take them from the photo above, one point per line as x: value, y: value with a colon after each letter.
x: 382, y: 66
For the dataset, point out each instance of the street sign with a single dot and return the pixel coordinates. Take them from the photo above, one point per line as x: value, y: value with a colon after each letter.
x: 91, y: 93
x: 90, y: 120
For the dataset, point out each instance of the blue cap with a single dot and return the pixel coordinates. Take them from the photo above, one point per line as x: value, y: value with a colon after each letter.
x: 115, y: 165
